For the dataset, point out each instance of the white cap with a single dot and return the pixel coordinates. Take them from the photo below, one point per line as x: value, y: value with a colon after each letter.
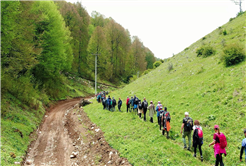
x: 186, y: 113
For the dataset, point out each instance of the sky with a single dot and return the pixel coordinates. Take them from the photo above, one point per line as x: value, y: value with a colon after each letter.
x: 166, y: 27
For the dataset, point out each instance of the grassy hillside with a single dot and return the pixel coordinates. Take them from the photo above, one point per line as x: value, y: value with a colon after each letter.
x: 209, y: 91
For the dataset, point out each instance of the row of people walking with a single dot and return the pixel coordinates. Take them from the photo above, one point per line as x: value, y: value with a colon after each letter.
x: 219, y: 142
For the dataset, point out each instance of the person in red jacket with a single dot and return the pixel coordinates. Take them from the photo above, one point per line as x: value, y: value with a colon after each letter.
x: 127, y: 103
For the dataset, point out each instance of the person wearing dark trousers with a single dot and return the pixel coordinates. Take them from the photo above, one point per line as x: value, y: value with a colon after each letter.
x: 140, y: 109
x: 104, y: 103
x: 144, y: 106
x: 159, y: 105
x: 109, y: 102
x: 119, y: 104
x: 113, y: 104
x: 243, y: 147
x: 128, y: 104
x: 197, y: 141
x: 218, y: 150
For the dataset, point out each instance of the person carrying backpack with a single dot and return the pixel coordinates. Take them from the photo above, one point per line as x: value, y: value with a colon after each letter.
x: 113, y: 104
x: 151, y: 109
x: 119, y: 104
x: 197, y: 138
x: 158, y: 108
x: 243, y: 147
x: 135, y: 103
x: 187, y: 125
x: 220, y: 143
x: 104, y: 103
x: 109, y: 102
x: 140, y: 109
x: 131, y: 104
x: 166, y: 122
x: 144, y: 106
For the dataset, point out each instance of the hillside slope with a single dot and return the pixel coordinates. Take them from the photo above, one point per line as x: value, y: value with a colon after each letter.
x: 209, y: 91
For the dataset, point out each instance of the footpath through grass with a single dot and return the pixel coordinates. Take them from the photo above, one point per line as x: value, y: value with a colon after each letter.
x: 204, y: 87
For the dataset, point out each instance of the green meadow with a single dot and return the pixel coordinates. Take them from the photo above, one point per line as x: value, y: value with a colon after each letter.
x: 204, y: 87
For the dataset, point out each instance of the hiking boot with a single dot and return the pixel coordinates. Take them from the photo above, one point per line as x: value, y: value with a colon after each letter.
x: 185, y: 147
x: 201, y: 159
x: 188, y: 149
x: 194, y: 155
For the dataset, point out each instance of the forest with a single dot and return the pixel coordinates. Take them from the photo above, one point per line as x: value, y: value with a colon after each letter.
x: 44, y: 41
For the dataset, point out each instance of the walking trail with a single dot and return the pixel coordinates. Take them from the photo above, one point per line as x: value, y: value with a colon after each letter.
x: 67, y: 137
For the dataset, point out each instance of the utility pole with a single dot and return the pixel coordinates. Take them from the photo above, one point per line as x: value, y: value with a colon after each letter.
x: 96, y: 72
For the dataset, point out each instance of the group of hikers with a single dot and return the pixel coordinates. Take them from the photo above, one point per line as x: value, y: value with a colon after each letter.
x: 134, y: 104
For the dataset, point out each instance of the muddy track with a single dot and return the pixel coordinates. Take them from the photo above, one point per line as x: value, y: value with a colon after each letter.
x: 67, y: 137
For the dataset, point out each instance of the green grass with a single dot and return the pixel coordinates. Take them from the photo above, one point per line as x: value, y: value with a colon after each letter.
x: 210, y: 92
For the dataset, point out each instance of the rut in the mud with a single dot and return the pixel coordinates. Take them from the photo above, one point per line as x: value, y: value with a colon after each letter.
x: 67, y: 137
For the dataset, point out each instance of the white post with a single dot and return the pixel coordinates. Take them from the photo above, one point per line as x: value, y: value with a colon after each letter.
x: 95, y: 74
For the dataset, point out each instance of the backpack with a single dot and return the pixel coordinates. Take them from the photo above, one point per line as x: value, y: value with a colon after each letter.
x: 140, y: 106
x: 136, y: 100
x: 189, y: 124
x: 109, y: 101
x: 223, y: 142
x: 129, y: 101
x: 114, y: 102
x: 168, y: 118
x: 200, y: 133
x: 159, y: 107
x: 145, y: 104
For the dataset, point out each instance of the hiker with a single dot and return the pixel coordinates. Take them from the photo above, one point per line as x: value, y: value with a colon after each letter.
x: 197, y: 138
x: 161, y: 120
x: 159, y: 105
x: 127, y: 104
x: 144, y: 107
x: 104, y: 102
x: 152, y: 111
x: 166, y: 122
x: 98, y: 97
x: 109, y: 102
x: 243, y: 147
x: 135, y: 103
x: 187, y: 126
x: 113, y: 104
x: 219, y: 142
x: 140, y: 109
x: 132, y: 104
x: 119, y: 104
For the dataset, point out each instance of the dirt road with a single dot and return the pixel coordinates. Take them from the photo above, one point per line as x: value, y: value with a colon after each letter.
x: 67, y: 137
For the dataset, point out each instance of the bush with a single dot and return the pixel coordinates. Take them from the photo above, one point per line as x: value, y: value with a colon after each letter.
x: 157, y: 64
x: 233, y: 54
x: 231, y: 19
x: 187, y: 48
x: 146, y: 72
x: 225, y: 32
x: 162, y: 61
x: 170, y: 66
x: 203, y: 38
x: 205, y: 51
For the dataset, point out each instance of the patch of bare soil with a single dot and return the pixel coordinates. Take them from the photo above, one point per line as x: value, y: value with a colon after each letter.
x: 67, y: 137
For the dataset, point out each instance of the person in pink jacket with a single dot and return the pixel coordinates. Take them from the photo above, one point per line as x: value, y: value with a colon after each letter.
x: 218, y: 140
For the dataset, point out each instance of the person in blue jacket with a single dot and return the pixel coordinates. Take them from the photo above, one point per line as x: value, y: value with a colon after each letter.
x: 119, y: 104
x: 132, y: 103
x: 243, y: 147
x: 109, y: 101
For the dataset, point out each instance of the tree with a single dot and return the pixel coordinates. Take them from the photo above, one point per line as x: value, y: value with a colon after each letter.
x: 98, y: 45
x: 239, y: 3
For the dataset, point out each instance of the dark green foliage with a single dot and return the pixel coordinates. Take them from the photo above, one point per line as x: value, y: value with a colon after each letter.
x: 233, y: 54
x: 187, y: 48
x: 162, y: 61
x: 203, y: 38
x: 205, y: 51
x: 240, y: 13
x: 150, y: 59
x: 231, y: 19
x: 146, y: 71
x: 224, y: 32
x: 157, y: 64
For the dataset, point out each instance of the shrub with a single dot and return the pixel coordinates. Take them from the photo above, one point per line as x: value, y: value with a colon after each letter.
x: 187, y: 48
x: 170, y: 66
x: 224, y: 32
x: 157, y: 64
x: 205, y: 51
x: 203, y: 38
x: 233, y: 54
x: 162, y: 61
x: 146, y: 72
x: 231, y: 19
